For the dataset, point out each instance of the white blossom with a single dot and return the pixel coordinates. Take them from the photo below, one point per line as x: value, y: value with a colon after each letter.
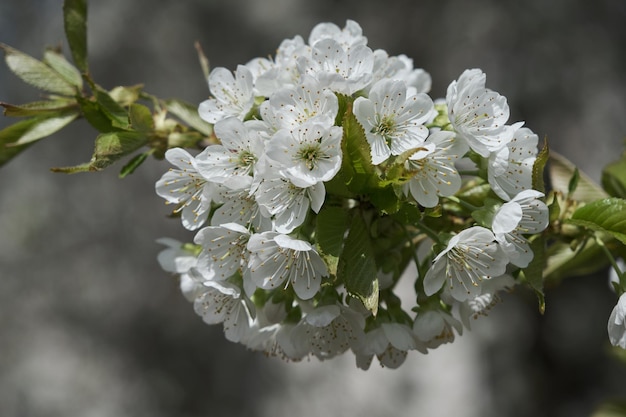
x: 233, y: 95
x: 186, y: 187
x: 181, y: 261
x: 617, y: 323
x: 221, y: 302
x: 288, y: 108
x: 307, y: 155
x: 434, y: 327
x: 433, y: 173
x: 282, y: 71
x: 393, y: 122
x: 478, y: 114
x: 278, y: 260
x: 231, y: 163
x: 325, y: 332
x: 390, y: 343
x: 224, y: 250
x: 524, y: 214
x: 510, y: 169
x: 471, y: 257
x: 238, y: 206
x: 351, y: 34
x: 285, y: 202
x: 342, y: 70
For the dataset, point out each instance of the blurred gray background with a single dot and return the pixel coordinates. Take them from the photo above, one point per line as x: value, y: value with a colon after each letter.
x: 89, y: 324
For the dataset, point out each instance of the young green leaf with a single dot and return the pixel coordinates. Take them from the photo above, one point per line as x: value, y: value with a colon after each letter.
x: 538, y: 167
x: 36, y: 73
x: 75, y: 21
x: 109, y: 148
x: 134, y: 163
x: 356, y: 167
x: 140, y: 117
x: 38, y: 108
x: 607, y: 215
x: 57, y: 61
x: 330, y: 229
x: 358, y: 269
x: 18, y: 136
x: 114, y: 111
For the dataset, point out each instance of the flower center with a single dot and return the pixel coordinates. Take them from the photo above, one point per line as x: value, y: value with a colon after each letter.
x: 246, y: 159
x: 310, y: 155
x: 385, y: 128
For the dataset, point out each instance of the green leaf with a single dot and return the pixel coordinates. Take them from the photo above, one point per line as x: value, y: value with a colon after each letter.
x: 358, y: 269
x: 95, y: 115
x: 134, y: 163
x: 109, y: 148
x: 37, y: 108
x: 561, y: 171
x: 18, y: 136
x: 607, y: 215
x: 188, y: 113
x: 356, y: 167
x: 534, y: 271
x: 573, y: 182
x: 45, y: 126
x: 36, y: 73
x: 57, y: 61
x: 141, y: 118
x: 538, y: 167
x: 614, y: 178
x: 114, y: 111
x: 385, y: 199
x: 75, y: 21
x: 330, y: 229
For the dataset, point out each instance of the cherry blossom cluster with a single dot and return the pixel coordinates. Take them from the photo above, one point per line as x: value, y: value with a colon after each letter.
x: 445, y: 190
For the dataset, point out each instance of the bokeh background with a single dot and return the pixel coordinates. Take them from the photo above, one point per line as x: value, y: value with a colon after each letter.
x: 89, y: 324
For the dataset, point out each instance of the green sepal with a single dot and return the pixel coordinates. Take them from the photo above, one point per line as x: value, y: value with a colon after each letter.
x: 75, y: 22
